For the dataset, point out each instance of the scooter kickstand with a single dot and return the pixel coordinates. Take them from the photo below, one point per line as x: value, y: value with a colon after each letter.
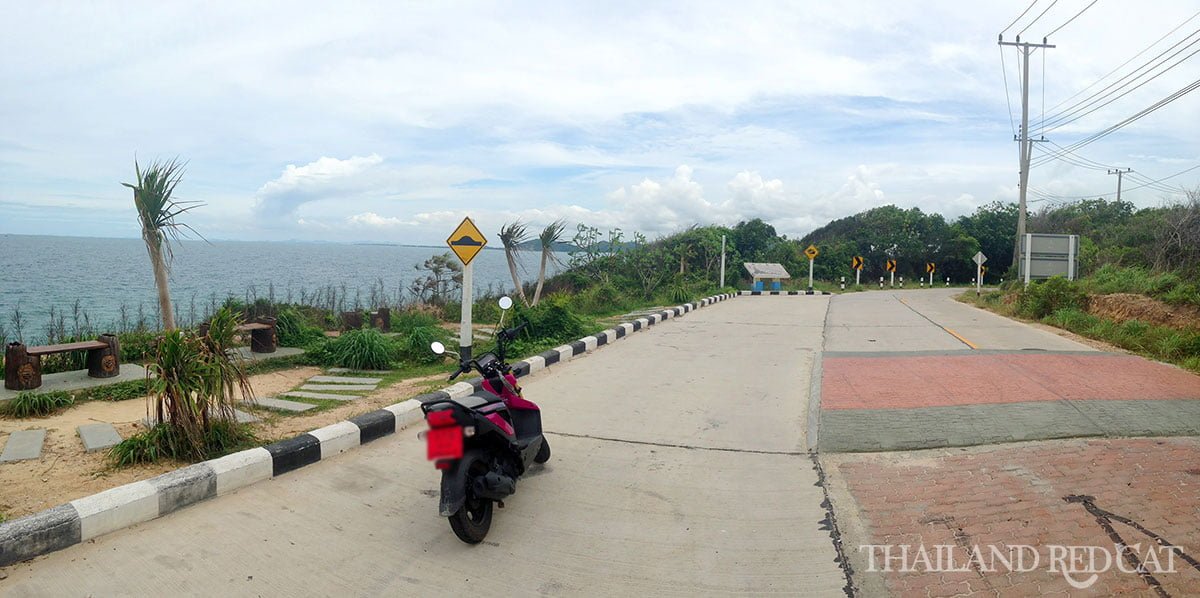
x: 500, y: 504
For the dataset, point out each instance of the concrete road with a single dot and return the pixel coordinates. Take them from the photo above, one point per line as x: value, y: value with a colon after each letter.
x: 679, y: 468
x: 929, y: 320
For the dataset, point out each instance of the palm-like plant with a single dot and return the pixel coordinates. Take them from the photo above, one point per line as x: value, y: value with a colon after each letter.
x: 194, y: 383
x: 511, y: 236
x: 157, y: 210
x: 553, y: 233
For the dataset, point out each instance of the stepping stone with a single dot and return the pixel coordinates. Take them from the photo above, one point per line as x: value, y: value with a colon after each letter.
x: 97, y: 437
x: 345, y: 380
x: 348, y: 370
x: 319, y: 387
x: 243, y: 417
x: 283, y: 405
x: 320, y: 395
x: 22, y: 445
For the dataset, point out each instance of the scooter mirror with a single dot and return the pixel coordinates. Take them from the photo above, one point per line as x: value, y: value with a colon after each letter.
x: 437, y: 347
x: 505, y: 302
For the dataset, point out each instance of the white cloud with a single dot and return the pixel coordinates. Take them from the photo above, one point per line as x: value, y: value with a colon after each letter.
x: 323, y: 179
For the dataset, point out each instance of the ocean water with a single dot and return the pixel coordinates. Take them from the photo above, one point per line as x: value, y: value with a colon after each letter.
x: 37, y: 272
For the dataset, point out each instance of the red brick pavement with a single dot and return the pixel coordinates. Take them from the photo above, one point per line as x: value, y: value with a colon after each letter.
x: 1010, y: 496
x: 905, y: 382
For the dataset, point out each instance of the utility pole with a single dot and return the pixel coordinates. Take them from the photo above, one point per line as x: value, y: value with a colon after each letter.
x: 1120, y: 173
x: 1026, y: 142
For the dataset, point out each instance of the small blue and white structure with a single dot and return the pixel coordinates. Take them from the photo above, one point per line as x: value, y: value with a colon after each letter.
x: 761, y: 273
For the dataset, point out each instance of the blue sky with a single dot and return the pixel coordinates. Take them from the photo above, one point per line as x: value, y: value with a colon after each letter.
x: 390, y: 121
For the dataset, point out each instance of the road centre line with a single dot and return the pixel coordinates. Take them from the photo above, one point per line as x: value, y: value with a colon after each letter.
x: 948, y: 331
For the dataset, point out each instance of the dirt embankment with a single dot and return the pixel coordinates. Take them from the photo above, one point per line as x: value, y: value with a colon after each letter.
x: 1127, y: 306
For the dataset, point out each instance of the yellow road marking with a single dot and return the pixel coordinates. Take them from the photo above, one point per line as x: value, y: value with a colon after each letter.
x: 959, y: 337
x: 951, y: 332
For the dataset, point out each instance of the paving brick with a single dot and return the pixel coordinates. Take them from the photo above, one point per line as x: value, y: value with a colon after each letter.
x: 283, y: 405
x: 320, y: 395
x: 22, y: 445
x: 243, y: 417
x: 347, y: 387
x: 345, y: 380
x: 97, y: 437
x: 1155, y: 483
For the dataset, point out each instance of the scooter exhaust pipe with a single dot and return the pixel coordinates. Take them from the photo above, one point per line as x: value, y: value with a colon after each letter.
x: 495, y: 486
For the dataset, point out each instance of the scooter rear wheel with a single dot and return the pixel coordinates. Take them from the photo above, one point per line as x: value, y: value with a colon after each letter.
x: 472, y: 522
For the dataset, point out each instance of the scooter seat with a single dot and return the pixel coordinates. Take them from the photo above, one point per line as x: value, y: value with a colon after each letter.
x: 477, y: 400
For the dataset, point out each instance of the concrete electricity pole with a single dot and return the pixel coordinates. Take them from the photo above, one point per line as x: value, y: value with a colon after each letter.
x: 1120, y: 173
x: 1026, y: 142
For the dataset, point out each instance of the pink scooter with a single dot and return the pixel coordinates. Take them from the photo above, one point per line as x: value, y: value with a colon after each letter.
x: 485, y: 442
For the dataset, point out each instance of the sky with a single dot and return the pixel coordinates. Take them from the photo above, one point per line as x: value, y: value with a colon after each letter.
x: 390, y: 121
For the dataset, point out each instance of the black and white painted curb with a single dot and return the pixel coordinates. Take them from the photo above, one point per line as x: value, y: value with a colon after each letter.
x: 757, y: 293
x: 86, y: 518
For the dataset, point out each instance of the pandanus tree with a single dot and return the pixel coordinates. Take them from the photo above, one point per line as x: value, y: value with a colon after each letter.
x: 153, y: 196
x: 512, y: 235
x: 553, y: 233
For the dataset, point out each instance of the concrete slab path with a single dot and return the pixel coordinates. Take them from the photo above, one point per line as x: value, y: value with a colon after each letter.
x: 283, y: 405
x: 97, y: 437
x: 23, y: 445
x: 345, y: 380
x: 346, y: 387
x: 319, y: 395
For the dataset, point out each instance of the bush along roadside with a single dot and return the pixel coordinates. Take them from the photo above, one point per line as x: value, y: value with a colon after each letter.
x: 1063, y: 304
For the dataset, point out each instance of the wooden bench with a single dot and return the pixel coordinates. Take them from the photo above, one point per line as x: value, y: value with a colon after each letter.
x: 23, y: 365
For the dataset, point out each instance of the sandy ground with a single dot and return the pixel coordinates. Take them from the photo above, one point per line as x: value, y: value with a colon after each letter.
x: 65, y: 472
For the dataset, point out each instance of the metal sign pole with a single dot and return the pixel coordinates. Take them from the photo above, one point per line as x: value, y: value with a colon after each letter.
x: 978, y: 278
x: 858, y: 277
x: 893, y: 278
x: 464, y: 334
x: 722, y: 261
x: 810, y: 274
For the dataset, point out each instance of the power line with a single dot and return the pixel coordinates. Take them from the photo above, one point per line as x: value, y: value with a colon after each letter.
x: 1123, y: 64
x: 1019, y: 16
x: 1007, y: 96
x: 1148, y: 110
x: 1035, y: 19
x: 1071, y: 19
x: 1097, y: 101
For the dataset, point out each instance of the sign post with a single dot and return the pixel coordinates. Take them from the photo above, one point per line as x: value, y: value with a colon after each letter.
x: 466, y: 242
x: 856, y: 263
x: 930, y: 267
x: 890, y: 266
x: 812, y: 254
x: 979, y: 260
x: 722, y: 261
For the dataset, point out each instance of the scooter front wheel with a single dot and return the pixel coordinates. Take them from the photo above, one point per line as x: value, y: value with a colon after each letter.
x: 543, y: 453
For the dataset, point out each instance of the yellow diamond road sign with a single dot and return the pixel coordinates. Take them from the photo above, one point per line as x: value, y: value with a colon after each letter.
x: 466, y: 241
x: 812, y: 252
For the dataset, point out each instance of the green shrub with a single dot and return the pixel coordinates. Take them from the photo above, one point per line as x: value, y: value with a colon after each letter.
x: 137, y: 346
x: 1044, y: 297
x: 405, y: 321
x: 294, y: 330
x: 551, y: 320
x: 365, y: 349
x: 603, y: 298
x: 32, y: 404
x: 414, y: 345
x: 1071, y: 318
x: 165, y: 441
x: 130, y: 389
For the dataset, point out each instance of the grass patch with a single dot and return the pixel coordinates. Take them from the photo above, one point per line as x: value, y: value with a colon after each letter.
x: 121, y: 391
x: 364, y: 349
x: 168, y: 442
x: 36, y: 404
x: 266, y: 366
x: 1168, y: 287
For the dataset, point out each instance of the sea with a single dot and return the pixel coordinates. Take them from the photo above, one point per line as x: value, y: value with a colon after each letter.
x: 112, y: 281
